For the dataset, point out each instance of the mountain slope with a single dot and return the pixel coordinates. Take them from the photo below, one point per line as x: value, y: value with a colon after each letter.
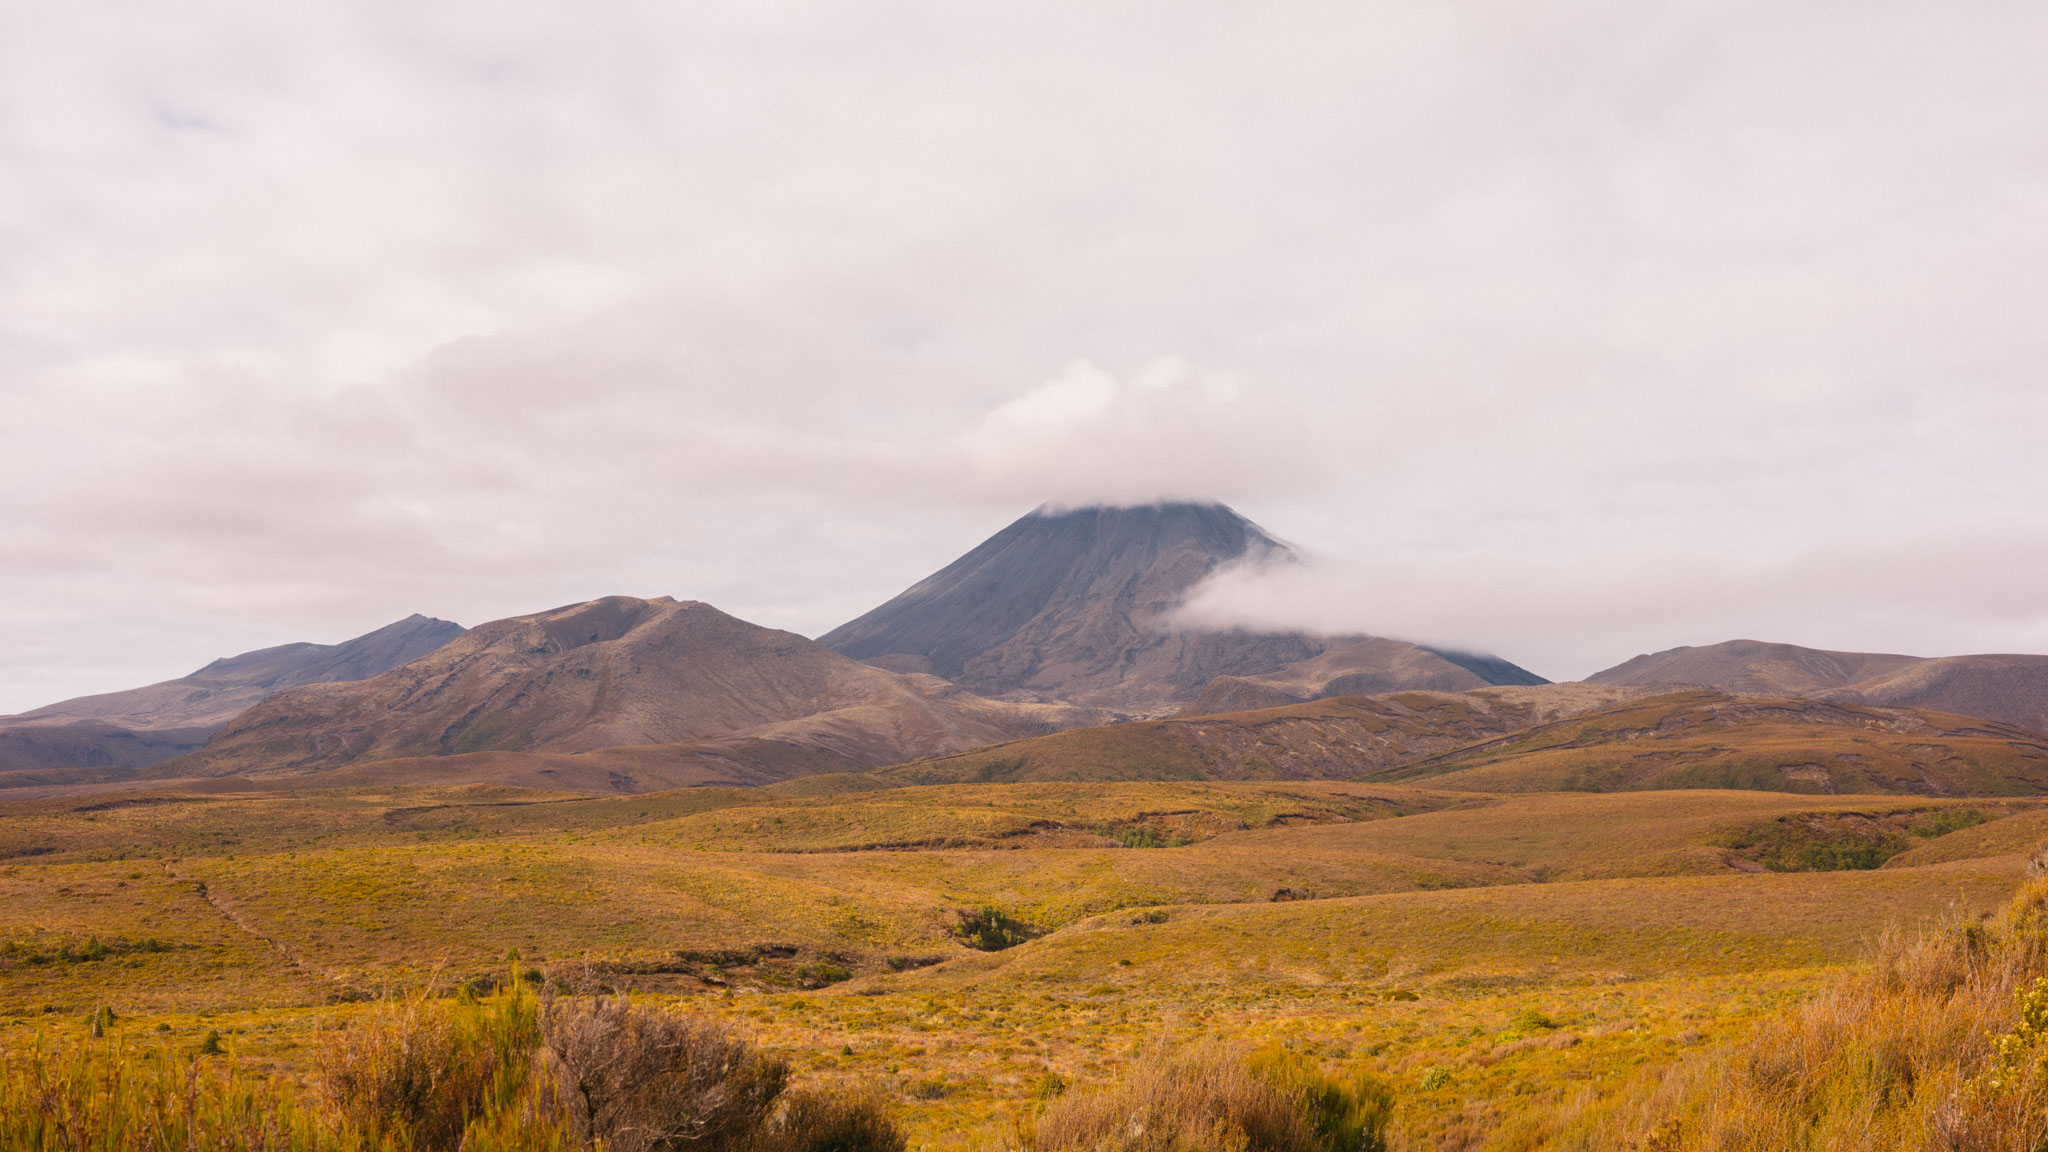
x: 115, y: 734
x: 1077, y: 605
x: 609, y: 674
x: 2012, y: 688
x: 2008, y: 688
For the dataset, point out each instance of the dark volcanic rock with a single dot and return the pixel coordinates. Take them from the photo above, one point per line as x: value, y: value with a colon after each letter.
x: 1077, y: 606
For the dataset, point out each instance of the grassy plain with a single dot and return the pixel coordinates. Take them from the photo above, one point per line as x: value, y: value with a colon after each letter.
x: 1489, y: 954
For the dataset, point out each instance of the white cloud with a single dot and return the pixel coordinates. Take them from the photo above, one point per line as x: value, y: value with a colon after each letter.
x: 1166, y: 432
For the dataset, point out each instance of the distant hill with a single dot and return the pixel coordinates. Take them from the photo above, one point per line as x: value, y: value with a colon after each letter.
x: 1340, y: 738
x: 2010, y: 688
x: 119, y: 732
x: 1563, y: 737
x: 1709, y: 739
x: 1078, y: 606
x: 667, y: 685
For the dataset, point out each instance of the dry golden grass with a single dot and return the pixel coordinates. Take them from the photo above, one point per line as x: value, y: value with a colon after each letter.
x: 1491, y: 957
x: 1938, y: 1044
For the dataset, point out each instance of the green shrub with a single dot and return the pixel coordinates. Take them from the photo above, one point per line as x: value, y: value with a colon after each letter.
x: 989, y: 929
x: 820, y: 973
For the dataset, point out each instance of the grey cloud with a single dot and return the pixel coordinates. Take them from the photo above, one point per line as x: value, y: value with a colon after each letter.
x: 1564, y: 330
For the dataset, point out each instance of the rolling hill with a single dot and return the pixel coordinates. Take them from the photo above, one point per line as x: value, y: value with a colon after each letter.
x: 1340, y: 738
x: 665, y: 685
x: 2010, y: 688
x: 1566, y: 737
x: 1708, y: 739
x: 1077, y: 606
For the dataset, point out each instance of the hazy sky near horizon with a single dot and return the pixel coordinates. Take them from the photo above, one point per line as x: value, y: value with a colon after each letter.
x: 1566, y: 331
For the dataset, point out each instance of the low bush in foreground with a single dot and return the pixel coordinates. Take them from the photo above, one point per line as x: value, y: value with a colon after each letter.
x: 505, y: 1073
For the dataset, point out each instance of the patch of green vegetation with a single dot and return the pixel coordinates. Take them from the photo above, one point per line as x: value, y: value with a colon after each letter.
x: 1841, y: 841
x: 1941, y: 823
x: 990, y: 929
x: 68, y: 949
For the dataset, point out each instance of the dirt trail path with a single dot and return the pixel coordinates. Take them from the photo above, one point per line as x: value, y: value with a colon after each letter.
x: 241, y: 924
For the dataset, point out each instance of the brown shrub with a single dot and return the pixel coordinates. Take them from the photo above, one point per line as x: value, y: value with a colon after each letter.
x: 1210, y: 1103
x: 813, y: 1121
x: 642, y: 1080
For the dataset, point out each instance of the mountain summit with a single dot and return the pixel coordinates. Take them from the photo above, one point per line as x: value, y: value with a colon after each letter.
x: 1076, y: 605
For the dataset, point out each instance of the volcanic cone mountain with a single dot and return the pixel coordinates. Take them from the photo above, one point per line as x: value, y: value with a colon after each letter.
x: 612, y: 673
x: 2009, y: 688
x: 105, y: 736
x: 1077, y: 606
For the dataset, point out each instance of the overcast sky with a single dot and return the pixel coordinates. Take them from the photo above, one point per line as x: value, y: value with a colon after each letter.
x: 1566, y: 330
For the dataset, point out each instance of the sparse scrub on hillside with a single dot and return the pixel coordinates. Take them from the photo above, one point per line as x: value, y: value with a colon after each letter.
x: 69, y: 949
x: 1273, y: 1101
x: 1944, y: 821
x: 1825, y: 841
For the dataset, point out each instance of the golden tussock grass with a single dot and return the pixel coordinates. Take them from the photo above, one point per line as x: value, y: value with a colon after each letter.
x: 1219, y: 1100
x: 1940, y: 1044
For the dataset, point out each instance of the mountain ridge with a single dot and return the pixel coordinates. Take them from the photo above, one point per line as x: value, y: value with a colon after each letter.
x: 111, y: 734
x: 2008, y: 687
x: 619, y: 673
